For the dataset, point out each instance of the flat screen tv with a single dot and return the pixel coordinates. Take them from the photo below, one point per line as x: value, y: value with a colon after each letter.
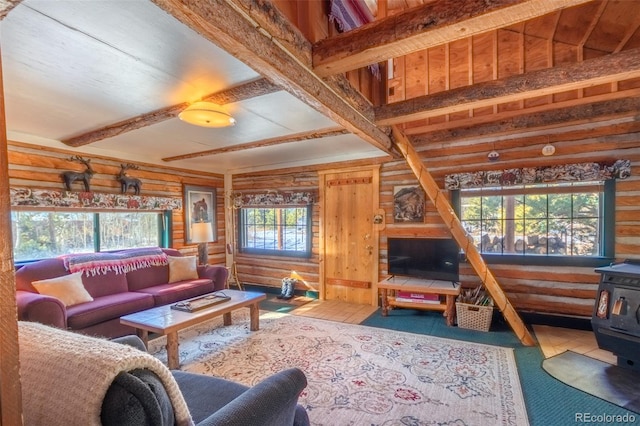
x: 431, y: 258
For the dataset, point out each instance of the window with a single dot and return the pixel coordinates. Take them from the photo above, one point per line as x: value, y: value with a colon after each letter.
x: 569, y: 222
x: 45, y: 234
x: 282, y: 231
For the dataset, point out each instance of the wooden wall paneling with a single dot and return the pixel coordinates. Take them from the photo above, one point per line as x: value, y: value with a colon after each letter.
x: 38, y: 167
x: 606, y: 36
x: 415, y: 74
x: 564, y: 53
x: 536, y: 57
x: 438, y: 75
x: 574, y: 22
x: 509, y: 48
x: 484, y: 60
x: 459, y: 70
x: 631, y: 83
x: 396, y: 84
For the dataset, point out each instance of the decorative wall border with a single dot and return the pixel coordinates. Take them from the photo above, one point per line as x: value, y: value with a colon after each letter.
x: 27, y: 197
x: 273, y: 198
x: 581, y: 172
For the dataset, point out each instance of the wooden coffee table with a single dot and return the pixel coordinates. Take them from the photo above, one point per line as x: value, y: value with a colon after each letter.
x: 166, y: 321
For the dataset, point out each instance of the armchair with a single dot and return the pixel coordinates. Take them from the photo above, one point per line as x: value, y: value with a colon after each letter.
x: 68, y: 378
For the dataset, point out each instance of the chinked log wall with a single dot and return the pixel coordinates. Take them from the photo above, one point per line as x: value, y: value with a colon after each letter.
x: 558, y: 290
x: 39, y: 168
x: 269, y: 270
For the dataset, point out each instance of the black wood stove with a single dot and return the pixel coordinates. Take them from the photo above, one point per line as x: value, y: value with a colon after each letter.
x: 616, y: 314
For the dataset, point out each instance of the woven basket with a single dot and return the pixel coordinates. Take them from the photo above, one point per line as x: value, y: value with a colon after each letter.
x: 474, y: 317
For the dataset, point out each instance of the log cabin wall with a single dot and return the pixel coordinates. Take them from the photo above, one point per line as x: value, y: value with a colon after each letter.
x: 37, y: 167
x: 460, y: 141
x: 554, y: 290
x: 268, y: 271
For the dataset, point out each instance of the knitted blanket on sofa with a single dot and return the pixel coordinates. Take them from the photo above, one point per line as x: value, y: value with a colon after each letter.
x: 65, y: 376
x: 119, y: 262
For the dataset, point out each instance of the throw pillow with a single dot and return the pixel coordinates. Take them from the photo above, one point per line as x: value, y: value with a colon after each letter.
x: 182, y: 268
x: 68, y: 288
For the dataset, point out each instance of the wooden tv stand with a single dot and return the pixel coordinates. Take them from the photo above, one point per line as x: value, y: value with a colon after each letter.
x: 449, y: 289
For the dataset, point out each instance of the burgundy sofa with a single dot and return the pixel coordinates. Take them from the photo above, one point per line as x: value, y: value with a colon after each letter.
x: 114, y: 295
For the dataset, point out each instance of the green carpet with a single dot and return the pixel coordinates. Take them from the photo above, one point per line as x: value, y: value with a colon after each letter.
x: 548, y: 401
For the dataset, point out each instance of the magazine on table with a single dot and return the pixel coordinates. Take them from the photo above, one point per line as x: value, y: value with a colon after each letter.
x: 202, y: 302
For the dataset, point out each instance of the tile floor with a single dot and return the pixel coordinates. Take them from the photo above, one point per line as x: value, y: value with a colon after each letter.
x: 552, y: 340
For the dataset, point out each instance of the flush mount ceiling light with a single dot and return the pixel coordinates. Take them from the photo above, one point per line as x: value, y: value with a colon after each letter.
x: 207, y: 114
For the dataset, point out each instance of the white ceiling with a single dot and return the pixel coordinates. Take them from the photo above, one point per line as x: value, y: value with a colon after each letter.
x: 70, y: 67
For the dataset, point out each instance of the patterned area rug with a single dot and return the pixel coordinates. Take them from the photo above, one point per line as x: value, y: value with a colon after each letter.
x: 360, y: 375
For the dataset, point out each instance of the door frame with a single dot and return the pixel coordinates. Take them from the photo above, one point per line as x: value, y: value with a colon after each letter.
x: 375, y: 209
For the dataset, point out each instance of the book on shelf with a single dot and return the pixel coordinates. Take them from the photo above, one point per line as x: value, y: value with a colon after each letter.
x: 414, y: 300
x: 418, y: 296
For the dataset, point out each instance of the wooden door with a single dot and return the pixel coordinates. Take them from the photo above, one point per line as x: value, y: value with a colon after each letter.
x: 349, y: 266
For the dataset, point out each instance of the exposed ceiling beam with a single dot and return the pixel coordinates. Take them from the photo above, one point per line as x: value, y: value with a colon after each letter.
x: 238, y: 93
x: 296, y: 137
x: 563, y: 116
x: 267, y: 15
x: 6, y: 6
x: 230, y: 25
x: 605, y: 69
x: 423, y: 27
x: 509, y: 114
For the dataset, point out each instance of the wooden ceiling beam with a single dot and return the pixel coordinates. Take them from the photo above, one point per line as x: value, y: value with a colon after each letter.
x: 238, y: 93
x: 6, y: 6
x: 423, y: 27
x: 550, y: 118
x: 509, y: 114
x: 604, y: 69
x: 233, y: 26
x: 297, y: 137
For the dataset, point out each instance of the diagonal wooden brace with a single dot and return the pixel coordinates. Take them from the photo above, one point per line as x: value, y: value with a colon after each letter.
x: 445, y: 210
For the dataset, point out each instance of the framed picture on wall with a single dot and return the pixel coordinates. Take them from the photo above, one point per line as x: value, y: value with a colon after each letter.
x: 199, y: 207
x: 408, y: 204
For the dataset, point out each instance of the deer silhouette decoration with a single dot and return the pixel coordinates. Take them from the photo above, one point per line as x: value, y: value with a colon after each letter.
x: 127, y: 182
x: 70, y: 177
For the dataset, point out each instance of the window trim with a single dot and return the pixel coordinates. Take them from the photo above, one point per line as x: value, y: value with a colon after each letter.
x: 306, y: 254
x: 165, y: 226
x: 608, y: 206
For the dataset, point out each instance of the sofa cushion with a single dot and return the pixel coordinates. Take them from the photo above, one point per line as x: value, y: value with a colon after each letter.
x: 182, y: 268
x: 106, y: 308
x: 68, y: 288
x: 97, y: 285
x: 40, y: 270
x: 147, y: 277
x: 164, y: 294
x: 105, y: 284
